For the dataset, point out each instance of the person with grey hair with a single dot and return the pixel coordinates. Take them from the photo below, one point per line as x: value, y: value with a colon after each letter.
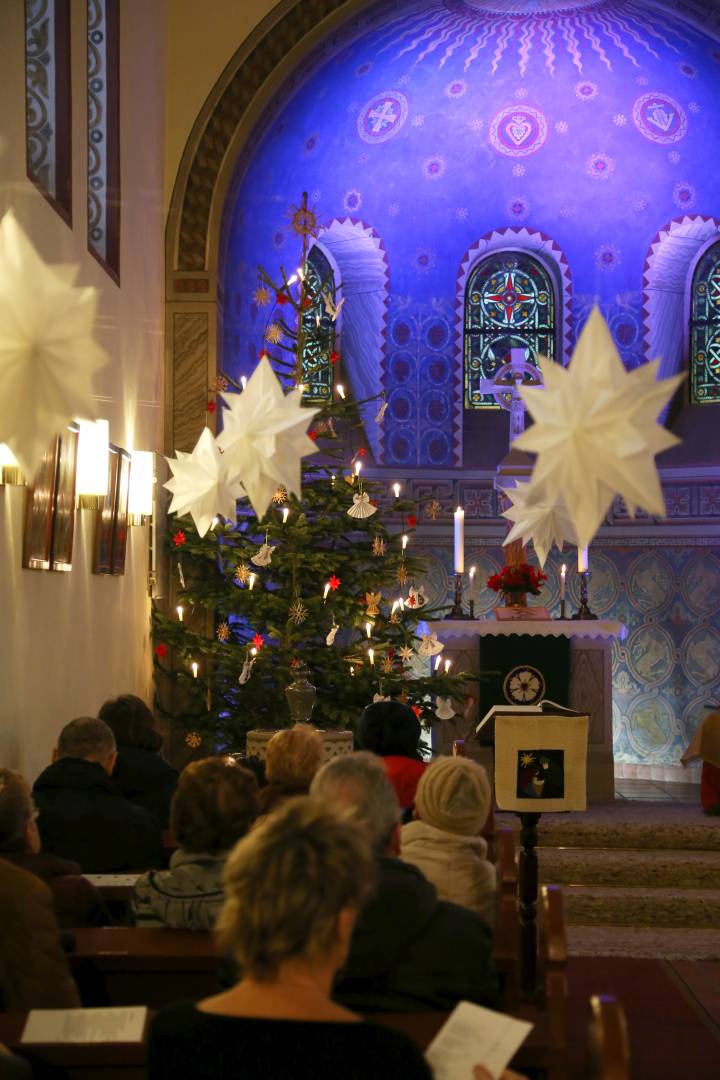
x: 82, y: 816
x: 409, y: 951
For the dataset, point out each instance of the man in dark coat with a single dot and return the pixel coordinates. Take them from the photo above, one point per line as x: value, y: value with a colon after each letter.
x: 82, y: 817
x: 409, y: 951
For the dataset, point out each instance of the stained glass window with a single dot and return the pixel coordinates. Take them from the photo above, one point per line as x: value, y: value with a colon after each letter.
x: 48, y: 102
x: 705, y: 329
x: 318, y: 327
x: 509, y: 304
x: 103, y: 65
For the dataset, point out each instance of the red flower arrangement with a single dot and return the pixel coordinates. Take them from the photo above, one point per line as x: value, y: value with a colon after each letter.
x: 521, y: 578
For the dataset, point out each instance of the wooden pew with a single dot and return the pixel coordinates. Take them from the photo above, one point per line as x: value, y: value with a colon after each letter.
x: 506, y: 938
x: 143, y: 966
x: 80, y: 1061
x: 609, y: 1044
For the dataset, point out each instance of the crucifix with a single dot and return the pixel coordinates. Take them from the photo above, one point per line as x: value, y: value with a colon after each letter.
x: 505, y: 385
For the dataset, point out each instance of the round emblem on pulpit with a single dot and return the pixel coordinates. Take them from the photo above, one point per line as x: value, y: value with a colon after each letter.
x: 524, y: 685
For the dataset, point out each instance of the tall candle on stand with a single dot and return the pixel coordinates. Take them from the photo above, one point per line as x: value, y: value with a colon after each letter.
x: 582, y: 559
x: 563, y: 572
x: 459, y: 540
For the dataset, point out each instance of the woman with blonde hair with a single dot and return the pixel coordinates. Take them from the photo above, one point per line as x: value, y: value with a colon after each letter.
x: 294, y: 755
x: 294, y: 888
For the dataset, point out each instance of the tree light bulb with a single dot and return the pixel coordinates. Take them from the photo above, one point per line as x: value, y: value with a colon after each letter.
x: 326, y: 590
x: 404, y: 542
x: 253, y: 651
x: 195, y: 669
x: 300, y: 273
x: 472, y: 572
x: 448, y: 664
x: 292, y: 279
x: 341, y: 390
x: 358, y: 467
x: 396, y: 489
x: 285, y: 513
x: 371, y: 656
x: 368, y: 628
x: 438, y: 662
x: 243, y: 381
x: 251, y: 581
x: 180, y: 609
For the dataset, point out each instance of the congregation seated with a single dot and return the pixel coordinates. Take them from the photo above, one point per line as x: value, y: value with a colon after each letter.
x: 410, y: 950
x: 705, y: 746
x: 215, y: 804
x: 294, y: 887
x: 76, y: 901
x: 451, y: 806
x: 82, y: 816
x: 391, y: 730
x: 34, y: 971
x: 293, y: 756
x: 141, y: 773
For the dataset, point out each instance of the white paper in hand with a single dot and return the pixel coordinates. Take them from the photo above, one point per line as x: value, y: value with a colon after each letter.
x: 474, y: 1036
x: 125, y: 1025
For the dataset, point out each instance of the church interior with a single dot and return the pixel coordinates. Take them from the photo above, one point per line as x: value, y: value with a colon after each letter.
x: 365, y: 354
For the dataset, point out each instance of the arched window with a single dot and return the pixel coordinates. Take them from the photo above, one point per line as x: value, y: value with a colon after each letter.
x: 318, y: 327
x: 509, y: 304
x: 705, y: 329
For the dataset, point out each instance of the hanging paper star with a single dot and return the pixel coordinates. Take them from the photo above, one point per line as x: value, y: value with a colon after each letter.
x: 280, y: 496
x: 200, y: 484
x: 223, y: 632
x: 536, y: 518
x: 258, y: 641
x: 178, y: 540
x: 405, y: 653
x: 273, y: 334
x: 334, y: 357
x: 161, y: 650
x: 264, y: 438
x: 334, y: 582
x: 261, y: 296
x: 47, y: 352
x: 281, y: 298
x: 596, y: 431
x: 411, y: 521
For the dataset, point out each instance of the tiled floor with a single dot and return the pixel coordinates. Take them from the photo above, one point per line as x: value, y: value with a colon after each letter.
x: 656, y: 790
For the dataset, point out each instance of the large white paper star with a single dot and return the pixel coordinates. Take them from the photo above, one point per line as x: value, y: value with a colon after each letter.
x: 264, y: 436
x: 47, y: 353
x: 596, y: 431
x: 200, y: 485
x: 538, y: 519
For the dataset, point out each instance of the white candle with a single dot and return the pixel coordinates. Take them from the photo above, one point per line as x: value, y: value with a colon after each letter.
x: 341, y: 390
x: 251, y: 580
x: 563, y: 572
x: 326, y: 590
x: 243, y: 381
x: 438, y: 661
x: 396, y: 605
x: 396, y: 489
x: 472, y: 582
x: 368, y: 628
x: 180, y: 609
x: 371, y: 656
x: 447, y: 665
x: 404, y: 542
x: 286, y: 511
x: 194, y: 667
x: 358, y: 467
x: 582, y: 559
x: 253, y: 651
x: 459, y: 540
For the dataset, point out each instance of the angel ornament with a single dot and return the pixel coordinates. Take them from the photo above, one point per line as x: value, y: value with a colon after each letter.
x: 429, y: 645
x: 330, y: 639
x: 361, y: 507
x: 246, y: 670
x: 372, y: 599
x: 263, y: 556
x: 380, y: 415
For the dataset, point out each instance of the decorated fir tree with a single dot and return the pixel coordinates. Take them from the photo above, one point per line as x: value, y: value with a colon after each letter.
x: 322, y: 580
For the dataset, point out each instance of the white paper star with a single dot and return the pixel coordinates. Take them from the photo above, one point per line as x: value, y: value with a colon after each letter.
x: 200, y: 484
x: 263, y: 437
x: 47, y: 353
x: 538, y: 519
x: 596, y: 431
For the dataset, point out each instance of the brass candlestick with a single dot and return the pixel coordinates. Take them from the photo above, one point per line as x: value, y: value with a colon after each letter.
x: 584, y: 612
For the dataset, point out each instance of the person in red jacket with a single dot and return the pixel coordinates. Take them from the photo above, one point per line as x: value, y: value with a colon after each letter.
x: 391, y: 730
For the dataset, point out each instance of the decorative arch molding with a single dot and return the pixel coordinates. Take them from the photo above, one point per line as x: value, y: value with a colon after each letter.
x: 512, y: 238
x: 360, y: 257
x: 667, y: 274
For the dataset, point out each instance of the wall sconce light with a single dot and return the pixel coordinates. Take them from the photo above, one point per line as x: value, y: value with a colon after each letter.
x: 142, y: 479
x: 9, y: 469
x: 93, y: 463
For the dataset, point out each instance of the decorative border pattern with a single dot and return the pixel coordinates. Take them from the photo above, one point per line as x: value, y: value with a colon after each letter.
x: 48, y: 104
x: 103, y: 102
x: 510, y: 238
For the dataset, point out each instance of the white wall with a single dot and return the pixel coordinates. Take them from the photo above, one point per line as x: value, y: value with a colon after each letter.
x: 69, y: 641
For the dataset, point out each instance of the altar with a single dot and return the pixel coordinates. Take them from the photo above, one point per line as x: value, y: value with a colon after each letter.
x: 590, y: 689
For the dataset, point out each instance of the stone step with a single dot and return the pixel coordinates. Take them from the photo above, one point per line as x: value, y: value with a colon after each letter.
x: 595, y: 905
x: 625, y: 867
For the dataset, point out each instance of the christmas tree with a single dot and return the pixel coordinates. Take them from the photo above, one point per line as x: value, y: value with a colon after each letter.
x: 325, y: 581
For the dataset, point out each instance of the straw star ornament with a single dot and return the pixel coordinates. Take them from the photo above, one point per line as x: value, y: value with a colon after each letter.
x: 596, y: 431
x: 47, y: 352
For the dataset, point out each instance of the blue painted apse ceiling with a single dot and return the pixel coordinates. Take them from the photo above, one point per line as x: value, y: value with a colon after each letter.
x: 432, y: 124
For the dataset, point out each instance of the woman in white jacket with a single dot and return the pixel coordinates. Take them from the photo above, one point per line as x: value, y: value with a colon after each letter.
x: 451, y: 806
